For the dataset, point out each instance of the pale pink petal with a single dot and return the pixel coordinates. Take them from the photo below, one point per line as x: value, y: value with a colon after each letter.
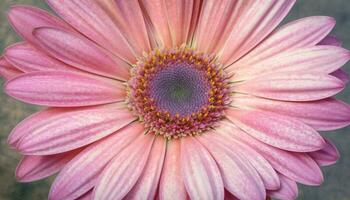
x: 342, y: 75
x: 81, y: 53
x: 297, y: 166
x: 288, y: 190
x: 147, y: 185
x: 81, y: 127
x: 334, y: 41
x: 317, y: 59
x: 7, y: 71
x: 252, y: 26
x: 64, y: 89
x: 33, y: 168
x: 239, y: 177
x: 331, y: 40
x: 197, y: 7
x: 21, y: 129
x: 261, y: 165
x: 171, y: 181
x: 202, y: 177
x: 81, y: 174
x: 326, y: 156
x: 216, y: 22
x: 179, y: 13
x: 305, y: 32
x: 24, y: 19
x: 29, y: 59
x: 291, y: 86
x: 323, y: 115
x: 155, y: 12
x: 128, y: 17
x: 88, y: 17
x: 277, y: 130
x: 122, y: 173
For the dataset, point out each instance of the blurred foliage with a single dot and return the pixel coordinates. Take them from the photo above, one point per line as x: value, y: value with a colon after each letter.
x: 337, y: 177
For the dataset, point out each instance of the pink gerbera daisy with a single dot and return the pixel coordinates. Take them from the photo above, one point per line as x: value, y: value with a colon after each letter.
x: 175, y: 99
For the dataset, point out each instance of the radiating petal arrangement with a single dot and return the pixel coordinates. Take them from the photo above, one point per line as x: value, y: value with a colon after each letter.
x: 178, y: 99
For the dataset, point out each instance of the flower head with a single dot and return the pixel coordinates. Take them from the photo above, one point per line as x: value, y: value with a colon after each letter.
x: 174, y: 99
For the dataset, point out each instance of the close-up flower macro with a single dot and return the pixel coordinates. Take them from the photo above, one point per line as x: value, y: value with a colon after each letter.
x: 174, y: 99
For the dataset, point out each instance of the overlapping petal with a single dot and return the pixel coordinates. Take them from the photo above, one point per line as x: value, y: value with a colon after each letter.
x: 302, y: 33
x: 89, y: 18
x: 288, y: 190
x: 8, y: 71
x: 147, y: 185
x: 239, y: 177
x: 24, y: 19
x: 119, y: 177
x: 252, y: 26
x: 323, y: 115
x: 291, y: 86
x: 171, y: 182
x: 81, y: 127
x: 81, y: 53
x: 29, y: 59
x: 326, y: 156
x: 277, y: 130
x: 33, y: 168
x: 201, y: 174
x: 296, y: 166
x: 64, y: 89
x: 73, y: 181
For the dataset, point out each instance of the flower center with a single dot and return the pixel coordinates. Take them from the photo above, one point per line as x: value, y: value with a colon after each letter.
x: 178, y: 92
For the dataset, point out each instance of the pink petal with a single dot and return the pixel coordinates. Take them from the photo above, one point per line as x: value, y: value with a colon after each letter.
x: 326, y: 156
x: 171, y: 181
x: 72, y: 129
x: 252, y: 26
x: 7, y: 71
x: 342, y: 75
x: 33, y: 168
x: 202, y: 177
x: 277, y: 130
x: 323, y: 115
x: 21, y: 129
x: 179, y: 13
x: 81, y: 174
x: 291, y: 86
x: 216, y: 22
x: 288, y: 190
x: 24, y: 19
x: 147, y: 185
x: 197, y: 7
x: 262, y: 166
x: 122, y: 173
x: 158, y: 22
x: 88, y: 17
x: 29, y: 59
x: 305, y: 32
x: 128, y: 16
x: 239, y: 177
x: 296, y: 166
x: 81, y: 53
x: 64, y: 89
x: 317, y: 60
x: 331, y: 40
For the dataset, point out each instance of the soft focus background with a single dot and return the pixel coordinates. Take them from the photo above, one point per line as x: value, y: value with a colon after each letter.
x: 337, y: 177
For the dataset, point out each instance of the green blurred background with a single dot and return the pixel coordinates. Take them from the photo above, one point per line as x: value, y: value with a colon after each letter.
x: 337, y: 177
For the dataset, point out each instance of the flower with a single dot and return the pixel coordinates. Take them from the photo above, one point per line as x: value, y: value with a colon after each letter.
x: 175, y: 99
